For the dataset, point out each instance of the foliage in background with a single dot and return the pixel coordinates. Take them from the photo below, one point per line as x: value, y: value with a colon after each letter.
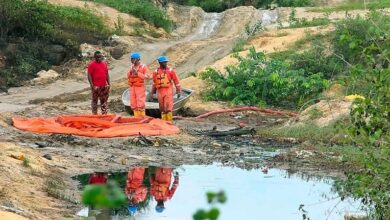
x: 144, y: 9
x: 221, y: 5
x: 365, y: 45
x: 258, y: 81
x: 213, y: 213
x: 32, y: 25
x: 39, y: 20
x: 108, y: 195
x: 303, y: 22
x: 355, y: 5
x: 317, y: 59
x: 356, y: 53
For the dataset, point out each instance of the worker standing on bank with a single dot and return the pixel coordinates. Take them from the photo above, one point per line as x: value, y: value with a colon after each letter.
x: 163, y: 79
x: 136, y: 76
x: 99, y: 81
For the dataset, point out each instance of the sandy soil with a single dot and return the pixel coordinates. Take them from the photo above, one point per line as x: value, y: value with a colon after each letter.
x: 11, y: 216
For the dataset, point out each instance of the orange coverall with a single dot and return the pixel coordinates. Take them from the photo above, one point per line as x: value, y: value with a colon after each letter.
x: 135, y: 190
x: 161, y: 182
x: 163, y: 80
x: 136, y: 80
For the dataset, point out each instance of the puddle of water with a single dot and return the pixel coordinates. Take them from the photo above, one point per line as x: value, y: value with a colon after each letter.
x: 251, y: 195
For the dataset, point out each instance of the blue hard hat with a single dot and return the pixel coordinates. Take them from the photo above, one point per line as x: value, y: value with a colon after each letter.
x: 135, y: 55
x: 132, y: 209
x: 162, y: 59
x: 159, y: 209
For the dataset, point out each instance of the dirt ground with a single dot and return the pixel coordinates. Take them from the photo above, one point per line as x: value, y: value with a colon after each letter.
x: 40, y: 186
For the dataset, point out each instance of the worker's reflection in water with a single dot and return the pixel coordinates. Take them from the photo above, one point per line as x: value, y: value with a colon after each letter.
x: 161, y: 186
x: 135, y: 189
x: 98, y: 178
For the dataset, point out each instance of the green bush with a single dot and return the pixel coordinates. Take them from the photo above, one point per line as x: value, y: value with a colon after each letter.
x: 33, y: 25
x: 104, y: 196
x: 38, y: 20
x: 143, y: 9
x: 367, y: 47
x: 258, y: 81
x: 315, y: 60
x: 353, y: 35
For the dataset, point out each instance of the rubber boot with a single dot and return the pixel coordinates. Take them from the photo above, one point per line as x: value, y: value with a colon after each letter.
x: 163, y: 116
x: 142, y: 112
x: 136, y: 113
x: 169, y: 117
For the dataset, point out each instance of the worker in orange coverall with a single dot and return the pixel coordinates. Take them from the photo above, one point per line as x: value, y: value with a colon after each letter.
x: 163, y: 79
x: 135, y: 190
x: 136, y: 76
x: 160, y: 186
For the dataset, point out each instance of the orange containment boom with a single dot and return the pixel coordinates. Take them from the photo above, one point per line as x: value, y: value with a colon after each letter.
x: 101, y: 126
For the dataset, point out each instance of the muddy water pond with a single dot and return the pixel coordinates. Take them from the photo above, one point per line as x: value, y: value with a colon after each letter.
x: 251, y: 194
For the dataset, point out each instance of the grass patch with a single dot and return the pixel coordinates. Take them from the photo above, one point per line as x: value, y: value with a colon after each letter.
x: 140, y: 30
x: 219, y: 5
x: 145, y: 10
x: 119, y: 26
x: 303, y: 22
x: 355, y: 5
x: 26, y: 162
x: 239, y: 45
x: 306, y: 132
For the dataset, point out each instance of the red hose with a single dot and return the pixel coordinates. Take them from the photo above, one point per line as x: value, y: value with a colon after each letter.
x: 240, y: 109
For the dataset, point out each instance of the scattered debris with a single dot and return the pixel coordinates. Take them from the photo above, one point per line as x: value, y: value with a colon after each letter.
x: 18, y: 157
x: 48, y: 156
x: 304, y: 154
x: 232, y: 132
x: 151, y: 141
x: 354, y: 216
x: 41, y: 144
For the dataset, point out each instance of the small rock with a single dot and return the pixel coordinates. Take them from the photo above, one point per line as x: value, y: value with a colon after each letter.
x: 45, y: 77
x: 264, y: 169
x: 291, y: 140
x: 41, y: 144
x: 215, y: 144
x: 117, y: 52
x: 48, y: 156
